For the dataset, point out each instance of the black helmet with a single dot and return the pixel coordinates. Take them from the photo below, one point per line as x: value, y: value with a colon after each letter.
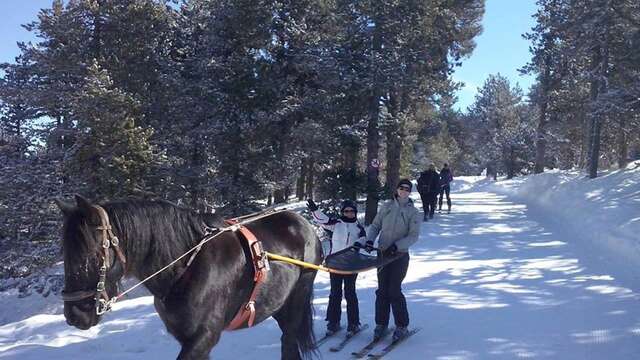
x: 349, y: 204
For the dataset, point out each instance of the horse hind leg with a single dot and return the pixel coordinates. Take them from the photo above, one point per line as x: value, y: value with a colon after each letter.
x: 297, y: 326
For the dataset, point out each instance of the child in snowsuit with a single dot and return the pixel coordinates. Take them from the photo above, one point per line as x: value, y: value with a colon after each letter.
x: 347, y: 232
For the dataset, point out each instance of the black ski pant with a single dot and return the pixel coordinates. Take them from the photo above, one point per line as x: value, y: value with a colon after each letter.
x: 335, y: 299
x: 389, y: 294
x: 446, y: 190
x: 429, y: 202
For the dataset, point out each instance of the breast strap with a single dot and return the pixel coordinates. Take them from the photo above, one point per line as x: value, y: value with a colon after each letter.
x: 247, y: 312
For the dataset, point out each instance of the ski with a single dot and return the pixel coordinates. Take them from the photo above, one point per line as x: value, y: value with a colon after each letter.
x: 348, y: 338
x: 326, y: 337
x: 392, y: 346
x: 365, y: 350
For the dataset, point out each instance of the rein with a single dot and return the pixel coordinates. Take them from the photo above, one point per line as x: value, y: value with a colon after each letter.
x: 103, y: 302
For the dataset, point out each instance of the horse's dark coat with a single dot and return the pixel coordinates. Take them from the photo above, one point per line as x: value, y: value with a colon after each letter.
x: 195, y: 303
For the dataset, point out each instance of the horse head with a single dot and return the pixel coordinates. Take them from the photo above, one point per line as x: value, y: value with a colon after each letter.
x: 91, y: 266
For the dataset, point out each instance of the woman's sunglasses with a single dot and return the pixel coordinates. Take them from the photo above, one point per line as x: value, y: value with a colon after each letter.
x: 348, y: 211
x: 405, y: 188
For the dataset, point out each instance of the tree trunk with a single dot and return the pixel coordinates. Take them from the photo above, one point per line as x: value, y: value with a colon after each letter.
x: 491, y: 171
x: 394, y: 151
x: 394, y: 145
x: 373, y: 137
x: 511, y: 164
x: 278, y: 196
x: 300, y: 182
x: 594, y: 153
x: 97, y: 32
x: 373, y: 149
x: 541, y: 141
x: 597, y: 87
x: 623, y: 144
x: 310, y: 177
x: 287, y: 192
x: 585, y: 144
x: 350, y: 164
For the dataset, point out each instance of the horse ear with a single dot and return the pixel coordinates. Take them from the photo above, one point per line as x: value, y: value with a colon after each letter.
x: 83, y: 204
x: 65, y: 207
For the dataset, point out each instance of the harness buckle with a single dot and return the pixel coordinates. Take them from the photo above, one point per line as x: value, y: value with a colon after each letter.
x: 115, y: 241
x: 103, y: 306
x: 101, y: 286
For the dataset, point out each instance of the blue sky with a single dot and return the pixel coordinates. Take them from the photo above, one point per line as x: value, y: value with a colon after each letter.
x: 14, y: 13
x: 500, y: 48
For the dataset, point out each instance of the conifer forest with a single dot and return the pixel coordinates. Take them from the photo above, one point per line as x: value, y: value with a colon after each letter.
x: 236, y: 105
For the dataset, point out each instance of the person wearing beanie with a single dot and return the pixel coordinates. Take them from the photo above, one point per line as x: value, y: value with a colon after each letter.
x: 446, y: 177
x: 398, y: 224
x: 347, y: 232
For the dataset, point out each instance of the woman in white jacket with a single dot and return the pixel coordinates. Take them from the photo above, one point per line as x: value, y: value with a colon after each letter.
x: 347, y: 231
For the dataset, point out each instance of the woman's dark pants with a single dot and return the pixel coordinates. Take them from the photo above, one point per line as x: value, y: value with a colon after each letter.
x: 389, y: 294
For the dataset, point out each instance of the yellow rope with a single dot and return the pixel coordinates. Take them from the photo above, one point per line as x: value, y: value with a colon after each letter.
x: 306, y: 264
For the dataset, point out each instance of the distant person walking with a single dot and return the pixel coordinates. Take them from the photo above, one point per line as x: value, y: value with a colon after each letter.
x: 398, y: 224
x: 446, y: 177
x: 346, y: 232
x: 429, y: 187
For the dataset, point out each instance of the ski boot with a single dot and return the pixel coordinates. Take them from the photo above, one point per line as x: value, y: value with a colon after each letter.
x: 400, y: 332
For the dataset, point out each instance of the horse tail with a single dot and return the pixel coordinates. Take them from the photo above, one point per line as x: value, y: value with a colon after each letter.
x: 305, y: 337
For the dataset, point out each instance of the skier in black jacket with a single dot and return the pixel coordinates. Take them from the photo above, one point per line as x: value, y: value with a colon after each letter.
x: 446, y: 177
x: 429, y: 187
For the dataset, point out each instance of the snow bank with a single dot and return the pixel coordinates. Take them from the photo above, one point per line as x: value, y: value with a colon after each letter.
x: 602, y: 213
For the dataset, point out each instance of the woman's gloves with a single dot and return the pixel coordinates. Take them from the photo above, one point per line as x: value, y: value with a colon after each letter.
x: 391, y: 250
x: 368, y: 246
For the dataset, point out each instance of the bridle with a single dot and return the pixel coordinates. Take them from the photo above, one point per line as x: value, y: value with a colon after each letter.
x: 107, y: 240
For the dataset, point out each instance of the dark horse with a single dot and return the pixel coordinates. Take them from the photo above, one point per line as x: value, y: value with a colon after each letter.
x: 198, y: 301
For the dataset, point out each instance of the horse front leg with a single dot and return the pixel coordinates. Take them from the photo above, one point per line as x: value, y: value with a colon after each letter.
x: 199, y: 345
x: 196, y: 331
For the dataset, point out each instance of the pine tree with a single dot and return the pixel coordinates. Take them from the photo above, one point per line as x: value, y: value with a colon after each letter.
x: 113, y: 153
x: 501, y: 129
x: 550, y: 64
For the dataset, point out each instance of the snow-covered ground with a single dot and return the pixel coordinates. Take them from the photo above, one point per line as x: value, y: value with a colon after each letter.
x: 542, y: 267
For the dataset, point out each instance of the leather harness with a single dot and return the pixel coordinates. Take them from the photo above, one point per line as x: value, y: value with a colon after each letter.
x: 247, y: 312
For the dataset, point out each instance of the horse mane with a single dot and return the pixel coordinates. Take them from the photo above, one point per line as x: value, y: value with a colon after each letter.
x: 153, y: 232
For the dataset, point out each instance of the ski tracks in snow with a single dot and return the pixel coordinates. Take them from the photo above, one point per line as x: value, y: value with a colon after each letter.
x: 494, y: 280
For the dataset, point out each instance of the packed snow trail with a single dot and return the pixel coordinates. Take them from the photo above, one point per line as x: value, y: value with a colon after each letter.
x: 491, y: 280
